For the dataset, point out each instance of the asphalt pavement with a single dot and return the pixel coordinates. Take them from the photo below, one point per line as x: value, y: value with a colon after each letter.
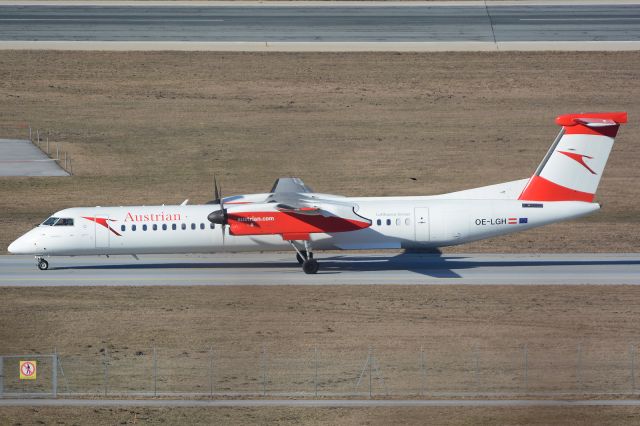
x: 264, y: 269
x: 330, y: 22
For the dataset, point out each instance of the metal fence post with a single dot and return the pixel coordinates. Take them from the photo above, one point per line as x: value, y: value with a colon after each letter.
x: 155, y: 371
x: 54, y: 374
x: 106, y: 370
x: 264, y: 370
x: 58, y: 151
x: 315, y: 377
x: 476, y: 367
x: 526, y: 368
x: 1, y: 377
x: 579, y: 367
x: 65, y: 160
x: 30, y: 136
x: 211, y: 372
x: 48, y: 143
x: 632, y: 355
x: 369, y: 359
x: 423, y: 371
x: 38, y: 136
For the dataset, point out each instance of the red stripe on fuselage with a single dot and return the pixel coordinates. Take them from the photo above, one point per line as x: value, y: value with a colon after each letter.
x: 278, y: 223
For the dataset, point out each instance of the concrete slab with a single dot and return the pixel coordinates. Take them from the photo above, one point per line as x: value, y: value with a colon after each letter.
x: 22, y: 158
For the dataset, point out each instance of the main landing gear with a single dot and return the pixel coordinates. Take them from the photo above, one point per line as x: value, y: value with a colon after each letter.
x: 43, y: 265
x: 305, y: 258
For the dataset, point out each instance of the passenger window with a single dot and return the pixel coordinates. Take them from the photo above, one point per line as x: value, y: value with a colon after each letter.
x: 184, y: 226
x: 193, y: 226
x: 164, y: 226
x: 407, y: 221
x: 122, y: 228
x: 144, y: 227
x: 173, y: 226
x: 155, y: 227
x: 202, y: 226
x: 133, y: 227
x: 398, y: 222
x: 388, y: 221
x: 379, y: 222
x: 212, y: 225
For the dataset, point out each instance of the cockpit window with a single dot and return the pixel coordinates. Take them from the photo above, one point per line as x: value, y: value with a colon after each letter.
x: 50, y: 221
x: 64, y: 222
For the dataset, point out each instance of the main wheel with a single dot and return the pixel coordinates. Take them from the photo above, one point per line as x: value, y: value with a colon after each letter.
x: 310, y: 266
x: 43, y: 265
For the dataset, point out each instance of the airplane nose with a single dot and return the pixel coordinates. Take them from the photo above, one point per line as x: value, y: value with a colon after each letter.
x: 19, y: 246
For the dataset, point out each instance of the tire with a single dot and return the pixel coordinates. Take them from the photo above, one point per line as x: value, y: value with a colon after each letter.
x: 310, y: 266
x: 43, y: 265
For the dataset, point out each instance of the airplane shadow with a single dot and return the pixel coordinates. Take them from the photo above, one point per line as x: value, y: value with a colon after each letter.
x: 432, y: 265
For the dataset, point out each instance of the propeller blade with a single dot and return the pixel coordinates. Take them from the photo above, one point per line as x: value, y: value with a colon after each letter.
x: 216, y: 193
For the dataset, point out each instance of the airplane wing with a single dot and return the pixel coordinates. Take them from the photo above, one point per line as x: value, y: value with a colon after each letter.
x: 293, y: 211
x: 295, y: 218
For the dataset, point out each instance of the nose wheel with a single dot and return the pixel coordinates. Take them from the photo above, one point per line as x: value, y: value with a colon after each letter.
x: 43, y: 265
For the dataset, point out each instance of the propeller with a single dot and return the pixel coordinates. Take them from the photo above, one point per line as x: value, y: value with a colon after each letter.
x: 219, y: 217
x: 216, y: 192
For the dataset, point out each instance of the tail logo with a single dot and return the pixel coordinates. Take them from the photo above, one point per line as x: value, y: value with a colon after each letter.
x: 579, y: 158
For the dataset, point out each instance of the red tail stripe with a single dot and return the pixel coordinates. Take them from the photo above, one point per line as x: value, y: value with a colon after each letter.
x: 570, y: 119
x: 581, y: 129
x: 541, y: 189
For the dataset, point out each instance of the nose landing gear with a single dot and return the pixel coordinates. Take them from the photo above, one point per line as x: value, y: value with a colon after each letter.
x: 43, y: 265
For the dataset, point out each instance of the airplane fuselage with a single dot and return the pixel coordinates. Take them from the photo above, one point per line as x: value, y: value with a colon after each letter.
x: 396, y: 223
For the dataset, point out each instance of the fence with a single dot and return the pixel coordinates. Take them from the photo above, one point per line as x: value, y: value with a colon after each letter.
x: 316, y: 371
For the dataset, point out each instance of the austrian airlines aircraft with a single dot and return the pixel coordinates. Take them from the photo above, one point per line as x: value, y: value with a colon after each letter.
x: 292, y: 215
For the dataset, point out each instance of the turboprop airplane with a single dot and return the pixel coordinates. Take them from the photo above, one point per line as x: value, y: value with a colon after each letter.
x: 291, y: 215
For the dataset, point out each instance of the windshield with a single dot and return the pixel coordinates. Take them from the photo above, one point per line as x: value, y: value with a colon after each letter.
x: 58, y: 221
x: 50, y: 221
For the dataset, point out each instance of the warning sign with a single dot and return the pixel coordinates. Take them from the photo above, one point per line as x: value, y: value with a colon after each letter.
x: 28, y: 370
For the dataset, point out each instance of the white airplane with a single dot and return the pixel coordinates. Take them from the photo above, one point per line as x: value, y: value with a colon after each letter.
x: 292, y: 215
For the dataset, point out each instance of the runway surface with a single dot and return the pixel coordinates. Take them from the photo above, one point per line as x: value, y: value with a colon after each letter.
x: 356, y: 269
x: 332, y: 22
x: 302, y: 403
x: 22, y: 158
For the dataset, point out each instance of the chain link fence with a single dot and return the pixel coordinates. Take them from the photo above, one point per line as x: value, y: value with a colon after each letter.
x: 446, y: 370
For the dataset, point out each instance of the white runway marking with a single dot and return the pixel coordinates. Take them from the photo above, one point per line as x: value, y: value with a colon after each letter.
x: 579, y: 19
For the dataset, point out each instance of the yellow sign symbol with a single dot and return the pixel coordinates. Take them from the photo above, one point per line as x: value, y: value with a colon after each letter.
x: 28, y: 370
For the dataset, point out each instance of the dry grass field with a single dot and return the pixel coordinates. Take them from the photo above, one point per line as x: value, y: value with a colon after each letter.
x: 450, y: 322
x: 152, y: 128
x: 602, y: 416
x: 340, y: 320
